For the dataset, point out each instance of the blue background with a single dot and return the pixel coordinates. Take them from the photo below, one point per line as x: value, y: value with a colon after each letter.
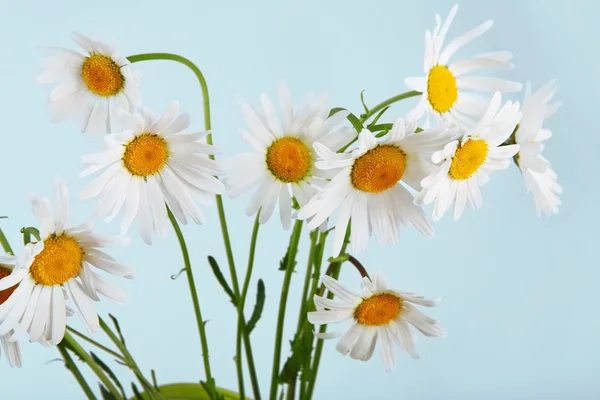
x: 519, y: 293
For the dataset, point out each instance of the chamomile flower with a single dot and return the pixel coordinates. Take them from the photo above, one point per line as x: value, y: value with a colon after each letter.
x: 93, y: 85
x: 378, y: 315
x: 464, y: 165
x: 11, y: 349
x: 366, y: 183
x: 530, y: 135
x: 153, y: 162
x: 447, y: 88
x: 282, y: 165
x: 61, y: 261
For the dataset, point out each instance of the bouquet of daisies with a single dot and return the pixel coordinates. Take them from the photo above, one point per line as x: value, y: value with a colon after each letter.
x: 334, y: 176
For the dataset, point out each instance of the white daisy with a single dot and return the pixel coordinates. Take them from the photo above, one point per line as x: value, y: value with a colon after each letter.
x: 366, y: 184
x: 282, y: 165
x: 61, y: 261
x: 466, y: 164
x: 378, y: 315
x: 151, y: 163
x: 539, y: 177
x: 11, y: 349
x: 448, y: 88
x: 93, y: 85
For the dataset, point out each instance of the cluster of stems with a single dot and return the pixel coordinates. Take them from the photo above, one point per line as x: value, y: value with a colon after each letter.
x: 298, y: 375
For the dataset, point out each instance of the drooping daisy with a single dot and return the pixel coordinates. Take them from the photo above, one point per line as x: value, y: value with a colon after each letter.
x: 539, y: 177
x: 11, y: 349
x: 378, y: 315
x: 93, y: 85
x: 61, y: 260
x: 465, y: 164
x: 151, y: 163
x: 282, y: 165
x: 366, y: 184
x: 448, y: 88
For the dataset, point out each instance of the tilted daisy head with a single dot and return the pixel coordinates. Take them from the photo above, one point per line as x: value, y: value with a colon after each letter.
x: 530, y: 134
x: 377, y: 315
x: 11, y: 349
x: 151, y: 163
x: 464, y: 165
x: 60, y: 265
x: 368, y: 184
x: 282, y: 165
x: 92, y: 85
x: 448, y: 87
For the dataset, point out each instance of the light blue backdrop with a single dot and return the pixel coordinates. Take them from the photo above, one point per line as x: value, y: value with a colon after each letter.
x: 520, y: 303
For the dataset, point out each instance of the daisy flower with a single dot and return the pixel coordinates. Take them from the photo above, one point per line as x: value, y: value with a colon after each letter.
x: 11, y: 349
x: 539, y: 178
x: 151, y: 163
x: 92, y: 85
x: 366, y: 183
x: 282, y: 165
x: 378, y: 315
x: 447, y: 89
x: 61, y: 261
x: 464, y: 165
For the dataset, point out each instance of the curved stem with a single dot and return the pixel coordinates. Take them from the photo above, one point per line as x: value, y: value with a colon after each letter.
x: 388, y: 102
x: 289, y: 270
x: 309, y: 266
x: 219, y: 199
x: 194, y: 294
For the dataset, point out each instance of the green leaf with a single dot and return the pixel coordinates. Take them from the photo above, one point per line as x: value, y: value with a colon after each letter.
x: 284, y: 261
x: 221, y: 278
x: 28, y: 232
x: 351, y: 117
x: 362, y: 100
x: 4, y: 217
x: 211, y: 390
x: 106, y: 394
x: 189, y: 391
x: 258, y: 307
x: 136, y: 393
x: 108, y: 371
x: 116, y: 322
x: 301, y: 350
x: 379, y: 114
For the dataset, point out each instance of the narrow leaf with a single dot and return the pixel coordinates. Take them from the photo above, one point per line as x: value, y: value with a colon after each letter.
x: 136, y: 393
x: 379, y: 114
x: 108, y: 371
x: 118, y: 328
x: 258, y: 307
x: 106, y: 394
x: 221, y: 279
x: 362, y: 100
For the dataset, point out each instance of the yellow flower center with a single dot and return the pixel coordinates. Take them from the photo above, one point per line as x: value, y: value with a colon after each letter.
x: 5, y: 294
x: 59, y: 261
x: 468, y: 158
x: 379, y: 309
x: 442, y: 92
x: 146, y: 154
x: 102, y: 75
x: 289, y: 159
x: 378, y: 169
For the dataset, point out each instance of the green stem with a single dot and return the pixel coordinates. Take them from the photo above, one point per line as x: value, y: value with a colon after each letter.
x: 5, y: 244
x: 129, y: 361
x: 309, y: 307
x: 246, y: 335
x: 71, y: 366
x: 98, y: 345
x: 194, y: 294
x: 70, y: 342
x: 388, y: 102
x: 309, y: 266
x: 289, y: 270
x: 219, y: 199
x: 334, y: 271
